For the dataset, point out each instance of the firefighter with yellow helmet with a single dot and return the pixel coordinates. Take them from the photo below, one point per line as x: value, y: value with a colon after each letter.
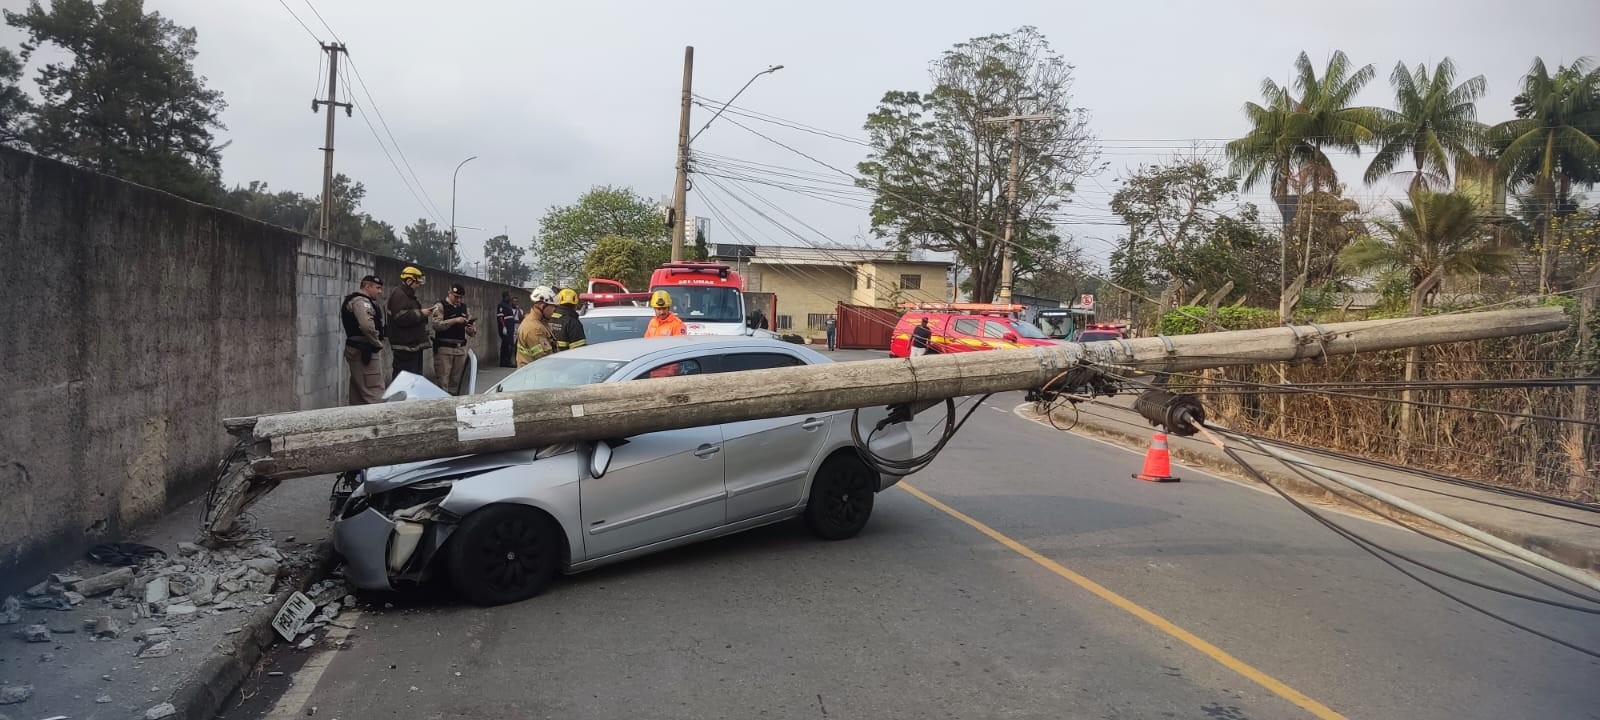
x: 564, y: 322
x: 408, y: 322
x: 666, y: 323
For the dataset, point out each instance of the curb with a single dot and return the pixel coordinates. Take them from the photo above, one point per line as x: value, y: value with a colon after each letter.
x: 1562, y: 551
x: 205, y: 691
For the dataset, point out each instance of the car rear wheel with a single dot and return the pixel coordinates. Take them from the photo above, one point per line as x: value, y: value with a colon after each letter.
x: 502, y: 554
x: 841, y: 497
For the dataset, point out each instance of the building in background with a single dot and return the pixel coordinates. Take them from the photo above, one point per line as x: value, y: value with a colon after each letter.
x: 805, y: 284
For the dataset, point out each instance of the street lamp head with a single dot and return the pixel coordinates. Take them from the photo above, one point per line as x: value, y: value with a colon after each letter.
x: 773, y: 69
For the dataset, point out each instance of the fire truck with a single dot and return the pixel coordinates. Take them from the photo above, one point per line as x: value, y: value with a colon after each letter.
x: 708, y: 296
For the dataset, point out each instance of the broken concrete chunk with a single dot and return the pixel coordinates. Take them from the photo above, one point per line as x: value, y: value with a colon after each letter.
x: 185, y: 549
x: 205, y: 590
x: 10, y: 611
x: 64, y: 578
x: 307, y: 643
x: 103, y: 699
x: 181, y: 609
x: 157, y: 650
x: 36, y: 633
x: 106, y: 627
x: 43, y: 588
x: 157, y: 590
x: 264, y: 565
x: 74, y: 598
x: 13, y: 694
x: 152, y: 634
x: 160, y: 712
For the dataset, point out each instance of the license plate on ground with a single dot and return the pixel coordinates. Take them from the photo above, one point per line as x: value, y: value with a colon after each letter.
x: 294, y: 613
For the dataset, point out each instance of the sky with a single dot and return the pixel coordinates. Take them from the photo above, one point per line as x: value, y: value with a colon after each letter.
x: 553, y: 98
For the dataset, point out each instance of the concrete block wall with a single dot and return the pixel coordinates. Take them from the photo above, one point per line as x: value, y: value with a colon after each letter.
x: 138, y: 322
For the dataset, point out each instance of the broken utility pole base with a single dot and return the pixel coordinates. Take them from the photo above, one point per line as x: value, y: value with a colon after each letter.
x: 314, y: 442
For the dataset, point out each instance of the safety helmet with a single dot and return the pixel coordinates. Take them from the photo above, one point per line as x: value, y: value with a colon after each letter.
x: 542, y: 294
x: 660, y: 299
x: 567, y: 296
x: 411, y: 273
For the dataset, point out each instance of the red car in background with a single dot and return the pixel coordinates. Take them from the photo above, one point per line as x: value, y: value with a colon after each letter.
x: 966, y: 332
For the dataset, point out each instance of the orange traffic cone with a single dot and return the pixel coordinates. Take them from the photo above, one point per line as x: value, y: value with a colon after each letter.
x: 1157, y: 464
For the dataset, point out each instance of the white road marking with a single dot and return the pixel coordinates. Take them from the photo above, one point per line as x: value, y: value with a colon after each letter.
x: 304, y: 681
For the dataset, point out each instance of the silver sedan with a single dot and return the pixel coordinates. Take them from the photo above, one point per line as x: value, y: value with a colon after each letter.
x: 499, y: 526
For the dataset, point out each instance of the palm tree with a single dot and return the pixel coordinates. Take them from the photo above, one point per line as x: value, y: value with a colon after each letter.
x: 1554, y: 141
x: 1436, y: 235
x: 1434, y: 120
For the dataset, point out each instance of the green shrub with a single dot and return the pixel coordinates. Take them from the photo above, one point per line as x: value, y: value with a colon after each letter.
x: 1191, y: 319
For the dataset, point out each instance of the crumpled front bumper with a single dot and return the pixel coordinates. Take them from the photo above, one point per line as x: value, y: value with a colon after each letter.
x: 363, y: 541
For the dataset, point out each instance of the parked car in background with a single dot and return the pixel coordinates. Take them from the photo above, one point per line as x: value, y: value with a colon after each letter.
x: 966, y: 332
x: 616, y: 322
x: 1097, y: 332
x: 499, y: 526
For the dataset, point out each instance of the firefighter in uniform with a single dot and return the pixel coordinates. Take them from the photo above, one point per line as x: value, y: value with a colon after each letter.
x: 533, y: 333
x: 666, y: 323
x: 408, y: 322
x: 363, y: 341
x: 452, y: 324
x: 564, y: 322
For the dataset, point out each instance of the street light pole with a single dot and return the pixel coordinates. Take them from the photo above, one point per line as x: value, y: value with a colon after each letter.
x: 452, y: 255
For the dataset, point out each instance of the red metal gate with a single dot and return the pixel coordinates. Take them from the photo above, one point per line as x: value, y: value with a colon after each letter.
x: 865, y: 328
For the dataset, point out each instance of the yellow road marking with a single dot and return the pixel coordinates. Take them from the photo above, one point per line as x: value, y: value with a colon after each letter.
x: 1276, y: 686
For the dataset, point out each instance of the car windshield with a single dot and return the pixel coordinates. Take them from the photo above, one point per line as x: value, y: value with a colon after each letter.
x: 1055, y: 326
x: 1027, y: 330
x: 555, y: 371
x: 617, y: 327
x: 705, y: 304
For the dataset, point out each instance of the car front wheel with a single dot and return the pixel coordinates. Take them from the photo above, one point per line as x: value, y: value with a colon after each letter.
x: 502, y: 554
x: 841, y: 497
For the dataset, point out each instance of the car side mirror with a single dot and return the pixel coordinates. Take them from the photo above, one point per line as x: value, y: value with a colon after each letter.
x: 1010, y: 337
x: 600, y: 459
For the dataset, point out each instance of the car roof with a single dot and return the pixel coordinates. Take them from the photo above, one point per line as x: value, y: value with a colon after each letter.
x: 618, y: 311
x: 634, y: 348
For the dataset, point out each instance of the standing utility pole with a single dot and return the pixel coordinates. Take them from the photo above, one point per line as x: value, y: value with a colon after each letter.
x: 680, y: 186
x: 1011, y: 197
x: 333, y: 50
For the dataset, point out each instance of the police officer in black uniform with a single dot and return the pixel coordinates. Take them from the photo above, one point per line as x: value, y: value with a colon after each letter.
x: 363, y: 341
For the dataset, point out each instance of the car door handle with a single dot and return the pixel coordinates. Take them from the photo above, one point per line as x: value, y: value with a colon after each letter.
x: 705, y: 451
x: 812, y: 423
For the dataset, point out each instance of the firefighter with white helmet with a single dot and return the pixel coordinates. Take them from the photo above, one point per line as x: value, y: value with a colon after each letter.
x: 534, y: 340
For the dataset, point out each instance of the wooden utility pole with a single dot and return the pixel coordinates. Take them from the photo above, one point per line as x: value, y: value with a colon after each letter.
x: 680, y: 185
x: 332, y: 104
x: 314, y: 442
x: 1015, y: 178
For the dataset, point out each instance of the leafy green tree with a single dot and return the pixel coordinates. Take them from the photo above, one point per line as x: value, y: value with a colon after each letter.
x: 568, y: 232
x: 940, y: 171
x: 15, y: 105
x: 1435, y: 121
x: 624, y: 259
x: 1289, y: 135
x: 1237, y: 248
x: 378, y: 237
x: 1436, y: 235
x: 427, y: 244
x: 1553, y: 143
x: 1169, y: 209
x: 346, y: 222
x: 505, y: 261
x: 126, y: 101
x: 284, y: 208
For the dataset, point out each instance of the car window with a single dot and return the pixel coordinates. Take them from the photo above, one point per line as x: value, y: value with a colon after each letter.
x: 738, y: 362
x: 620, y: 327
x: 675, y: 368
x: 1098, y: 335
x: 995, y: 330
x: 966, y: 326
x: 555, y: 371
x: 1027, y: 330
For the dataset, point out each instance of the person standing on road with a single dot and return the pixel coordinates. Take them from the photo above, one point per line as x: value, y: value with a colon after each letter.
x: 505, y: 322
x: 666, y: 323
x: 363, y: 341
x: 408, y: 322
x: 920, y: 338
x: 564, y: 322
x: 832, y: 326
x: 534, y: 340
x: 452, y: 324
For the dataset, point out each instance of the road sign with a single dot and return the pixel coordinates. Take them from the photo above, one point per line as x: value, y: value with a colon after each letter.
x: 1086, y: 301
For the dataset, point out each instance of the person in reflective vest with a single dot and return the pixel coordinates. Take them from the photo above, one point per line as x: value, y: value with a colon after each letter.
x: 534, y: 340
x: 666, y: 323
x: 564, y: 322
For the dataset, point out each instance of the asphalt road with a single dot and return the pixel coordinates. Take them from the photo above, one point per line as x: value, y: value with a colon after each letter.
x: 1091, y: 595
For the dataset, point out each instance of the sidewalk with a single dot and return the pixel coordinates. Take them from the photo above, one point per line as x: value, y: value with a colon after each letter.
x: 1566, y: 535
x: 190, y: 653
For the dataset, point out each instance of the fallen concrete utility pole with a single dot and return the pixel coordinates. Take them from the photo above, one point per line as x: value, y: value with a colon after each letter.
x: 314, y: 442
